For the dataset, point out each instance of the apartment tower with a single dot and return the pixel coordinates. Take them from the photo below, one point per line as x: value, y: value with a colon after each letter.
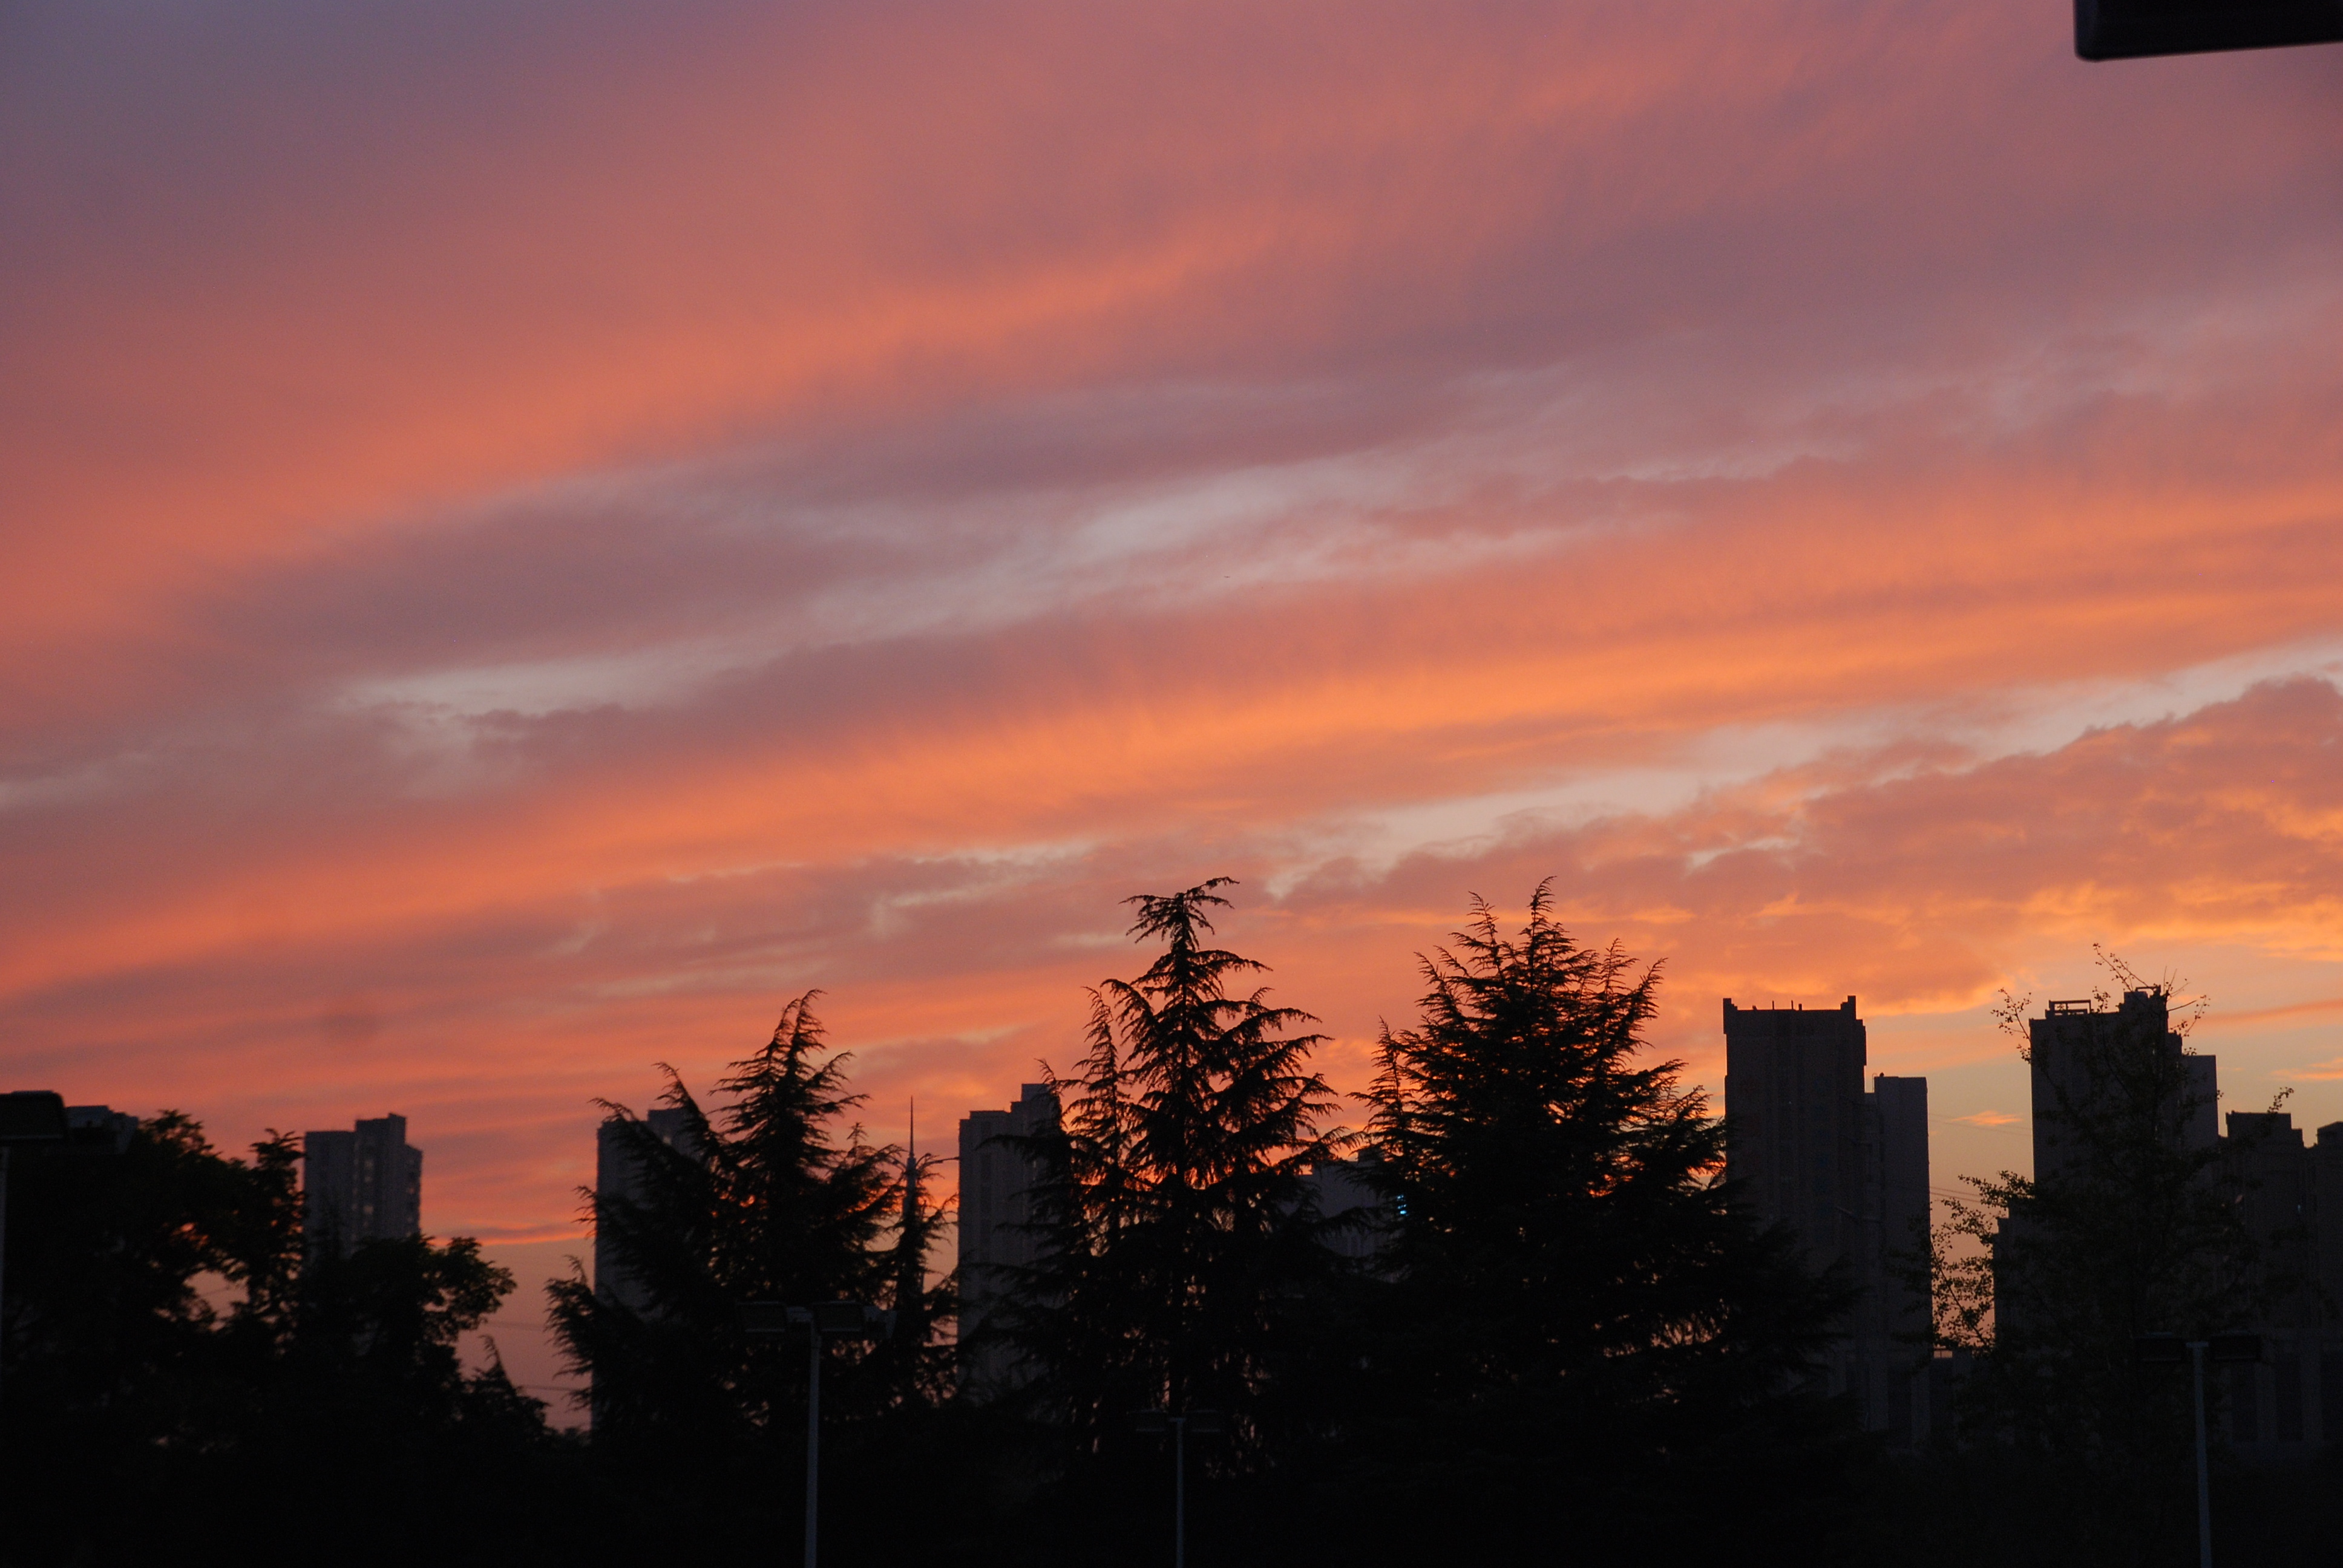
x: 363, y: 1185
x: 1846, y: 1169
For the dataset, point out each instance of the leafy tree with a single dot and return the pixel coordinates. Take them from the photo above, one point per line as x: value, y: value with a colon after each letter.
x: 373, y: 1341
x: 1581, y: 1336
x: 1180, y: 1232
x: 108, y: 1338
x: 2046, y: 1282
x: 174, y: 1351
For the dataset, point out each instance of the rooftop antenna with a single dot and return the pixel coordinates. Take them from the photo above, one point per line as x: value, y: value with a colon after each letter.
x: 911, y: 1162
x: 910, y: 1284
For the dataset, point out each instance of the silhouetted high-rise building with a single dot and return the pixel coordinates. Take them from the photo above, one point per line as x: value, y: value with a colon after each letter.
x: 996, y: 1183
x: 363, y: 1185
x: 2290, y: 1195
x: 1343, y: 1191
x: 1847, y: 1172
x: 2061, y: 1071
x: 1896, y: 1130
x: 618, y: 1177
x: 94, y: 1126
x: 2325, y: 1185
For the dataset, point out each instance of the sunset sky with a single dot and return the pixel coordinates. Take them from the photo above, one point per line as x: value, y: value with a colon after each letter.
x: 536, y: 531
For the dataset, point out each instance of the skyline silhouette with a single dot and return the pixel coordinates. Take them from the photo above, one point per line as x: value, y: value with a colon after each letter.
x: 1545, y: 1286
x: 533, y: 534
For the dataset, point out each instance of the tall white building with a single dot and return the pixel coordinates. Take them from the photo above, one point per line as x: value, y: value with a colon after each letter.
x: 363, y: 1185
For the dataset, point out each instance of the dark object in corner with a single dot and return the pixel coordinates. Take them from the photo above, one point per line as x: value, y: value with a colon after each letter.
x: 2128, y: 29
x: 32, y: 1116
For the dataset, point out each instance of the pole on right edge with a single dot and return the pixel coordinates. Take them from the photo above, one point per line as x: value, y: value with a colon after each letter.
x: 1178, y: 1492
x: 813, y: 1445
x: 2204, y: 1488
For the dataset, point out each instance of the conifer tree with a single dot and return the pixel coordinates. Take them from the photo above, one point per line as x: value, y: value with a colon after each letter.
x: 766, y: 1198
x: 917, y: 1359
x: 1178, y: 1230
x: 1577, y: 1320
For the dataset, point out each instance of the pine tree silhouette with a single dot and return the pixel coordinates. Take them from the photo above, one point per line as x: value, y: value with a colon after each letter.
x: 1576, y: 1331
x: 1177, y: 1221
x: 767, y: 1198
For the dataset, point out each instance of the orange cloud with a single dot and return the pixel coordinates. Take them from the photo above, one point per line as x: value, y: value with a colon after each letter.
x: 528, y: 545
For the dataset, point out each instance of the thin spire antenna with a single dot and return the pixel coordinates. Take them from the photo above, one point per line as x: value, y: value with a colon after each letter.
x: 911, y: 1164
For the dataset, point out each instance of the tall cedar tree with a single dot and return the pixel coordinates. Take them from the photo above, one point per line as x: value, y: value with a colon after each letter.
x: 1180, y: 1235
x: 2046, y: 1282
x: 1582, y: 1337
x: 767, y: 1198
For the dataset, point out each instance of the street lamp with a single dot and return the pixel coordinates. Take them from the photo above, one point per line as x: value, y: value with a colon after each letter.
x: 1203, y: 1423
x: 824, y: 1321
x: 2164, y: 1350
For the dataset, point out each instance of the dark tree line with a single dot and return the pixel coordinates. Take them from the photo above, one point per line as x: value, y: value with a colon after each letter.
x: 1550, y: 1321
x: 179, y: 1374
x: 1550, y: 1332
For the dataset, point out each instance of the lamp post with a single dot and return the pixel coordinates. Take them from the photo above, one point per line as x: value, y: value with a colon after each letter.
x: 2164, y: 1349
x: 1203, y: 1423
x: 824, y: 1320
x: 2204, y: 1477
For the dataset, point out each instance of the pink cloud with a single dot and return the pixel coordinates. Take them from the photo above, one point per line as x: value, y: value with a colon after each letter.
x: 530, y: 541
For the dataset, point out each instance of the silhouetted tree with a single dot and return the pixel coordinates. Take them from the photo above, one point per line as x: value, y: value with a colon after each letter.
x: 108, y: 1339
x: 1582, y: 1337
x: 768, y: 1199
x: 172, y: 1347
x: 917, y: 1359
x: 1180, y: 1234
x: 375, y: 1337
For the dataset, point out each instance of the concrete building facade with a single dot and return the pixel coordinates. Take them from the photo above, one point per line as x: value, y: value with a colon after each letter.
x: 1343, y: 1192
x: 618, y: 1177
x: 996, y: 1210
x: 2059, y: 1044
x: 2289, y: 1192
x: 100, y: 1126
x: 363, y: 1185
x: 1846, y: 1169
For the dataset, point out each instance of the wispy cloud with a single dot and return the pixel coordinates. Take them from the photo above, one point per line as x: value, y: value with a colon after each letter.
x: 781, y: 497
